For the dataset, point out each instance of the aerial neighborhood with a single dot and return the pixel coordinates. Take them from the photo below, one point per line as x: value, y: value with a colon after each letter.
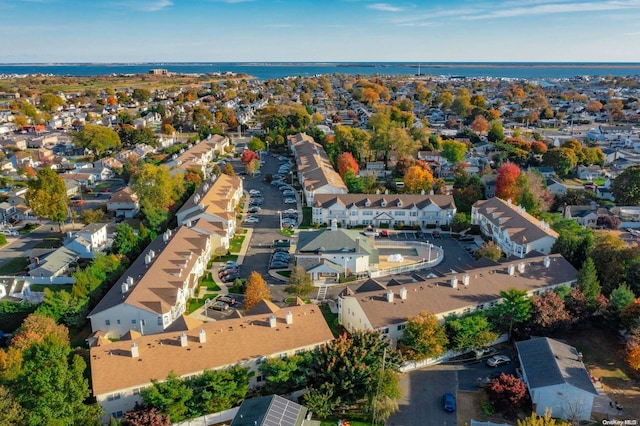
x: 222, y: 248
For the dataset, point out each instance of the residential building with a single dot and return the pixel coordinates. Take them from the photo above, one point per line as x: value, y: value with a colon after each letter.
x: 556, y: 188
x: 121, y: 369
x: 216, y: 202
x: 315, y: 172
x: 374, y: 306
x: 514, y: 230
x: 53, y: 264
x: 556, y: 379
x: 200, y: 155
x: 383, y: 209
x: 325, y: 254
x: 153, y: 292
x: 124, y: 203
x: 89, y: 240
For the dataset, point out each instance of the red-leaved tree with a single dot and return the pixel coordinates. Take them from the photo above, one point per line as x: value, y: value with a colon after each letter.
x: 507, y: 182
x: 507, y: 393
x: 347, y: 163
x: 247, y: 156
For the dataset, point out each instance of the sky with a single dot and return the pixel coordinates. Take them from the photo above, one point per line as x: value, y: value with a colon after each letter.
x: 415, y: 31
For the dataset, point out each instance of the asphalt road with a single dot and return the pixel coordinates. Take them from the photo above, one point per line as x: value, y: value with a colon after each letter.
x: 20, y: 245
x: 258, y: 255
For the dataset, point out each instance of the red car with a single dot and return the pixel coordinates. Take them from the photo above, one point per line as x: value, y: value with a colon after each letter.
x: 384, y: 233
x: 436, y: 234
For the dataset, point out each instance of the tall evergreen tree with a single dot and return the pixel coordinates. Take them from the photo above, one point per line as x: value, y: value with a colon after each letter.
x: 588, y: 281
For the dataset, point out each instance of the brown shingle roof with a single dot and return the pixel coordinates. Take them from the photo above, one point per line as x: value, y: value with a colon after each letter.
x: 437, y: 296
x: 228, y: 342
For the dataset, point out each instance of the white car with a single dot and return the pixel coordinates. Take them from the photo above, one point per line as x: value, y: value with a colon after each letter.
x: 289, y: 200
x: 290, y: 211
x: 497, y: 360
x: 252, y: 219
x: 10, y: 232
x: 255, y: 192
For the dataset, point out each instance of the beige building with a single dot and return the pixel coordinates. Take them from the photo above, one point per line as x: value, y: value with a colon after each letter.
x: 120, y: 370
x: 215, y: 202
x: 200, y: 155
x: 153, y: 292
x: 315, y: 172
x: 512, y: 228
x: 386, y: 308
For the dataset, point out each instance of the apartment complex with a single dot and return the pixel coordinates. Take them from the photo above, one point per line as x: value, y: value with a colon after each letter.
x: 315, y: 172
x: 120, y: 370
x: 515, y: 231
x: 384, y: 209
x: 154, y: 291
x: 386, y: 308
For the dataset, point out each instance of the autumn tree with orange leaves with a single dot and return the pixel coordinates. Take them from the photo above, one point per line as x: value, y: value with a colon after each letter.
x: 346, y: 163
x: 256, y: 291
x: 480, y: 125
x: 507, y: 181
x: 418, y: 179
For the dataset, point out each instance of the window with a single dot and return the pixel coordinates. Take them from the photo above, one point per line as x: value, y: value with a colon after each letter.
x: 413, y: 214
x: 259, y: 379
x: 159, y: 320
x: 400, y: 213
x: 354, y: 212
x: 143, y: 323
x: 107, y: 322
x: 136, y: 391
x: 385, y: 330
x: 116, y: 414
x: 113, y: 397
x: 117, y: 321
x: 133, y: 321
x: 402, y: 327
x: 367, y: 213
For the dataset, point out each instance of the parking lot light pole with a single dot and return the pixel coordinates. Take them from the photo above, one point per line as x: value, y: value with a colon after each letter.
x: 280, y: 216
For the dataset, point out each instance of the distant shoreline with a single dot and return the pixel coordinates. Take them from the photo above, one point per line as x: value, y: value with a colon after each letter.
x: 444, y: 65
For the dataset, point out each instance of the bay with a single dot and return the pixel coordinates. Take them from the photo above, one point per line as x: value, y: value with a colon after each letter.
x: 263, y: 71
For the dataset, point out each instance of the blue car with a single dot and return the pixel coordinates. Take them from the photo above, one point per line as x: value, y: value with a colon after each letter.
x: 449, y: 402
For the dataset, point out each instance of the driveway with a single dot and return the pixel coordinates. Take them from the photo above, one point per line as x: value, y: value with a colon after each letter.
x: 259, y: 252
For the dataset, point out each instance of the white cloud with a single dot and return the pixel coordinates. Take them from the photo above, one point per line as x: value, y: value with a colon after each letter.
x: 544, y: 8
x: 384, y: 7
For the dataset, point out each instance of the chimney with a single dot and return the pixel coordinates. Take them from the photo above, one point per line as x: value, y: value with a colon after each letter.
x: 147, y: 259
x: 403, y: 293
x: 521, y: 266
x: 183, y: 340
x: 202, y: 336
x: 390, y: 296
x: 124, y: 288
x: 511, y: 269
x: 289, y: 317
x: 272, y: 321
x: 454, y: 282
x: 130, y: 281
x: 135, y: 353
x: 546, y: 261
x: 465, y: 280
x: 357, y: 244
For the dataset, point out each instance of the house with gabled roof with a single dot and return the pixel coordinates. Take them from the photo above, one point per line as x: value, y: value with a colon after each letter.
x: 383, y: 209
x: 121, y: 369
x: 556, y: 379
x: 514, y: 230
x: 124, y: 203
x: 154, y: 291
x: 468, y: 288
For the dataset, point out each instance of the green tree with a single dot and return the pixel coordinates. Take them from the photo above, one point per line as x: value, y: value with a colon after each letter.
x: 322, y: 400
x: 384, y: 401
x: 156, y: 187
x: 219, y: 390
x: 155, y: 217
x: 97, y: 139
x: 51, y: 386
x: 355, y: 374
x: 256, y: 144
x: 50, y: 102
x: 489, y: 250
x: 626, y: 187
x: 169, y: 396
x: 11, y: 413
x: 423, y: 338
x: 91, y: 216
x: 514, y: 309
x: 496, y: 131
x: 285, y: 375
x: 620, y: 298
x: 453, y: 151
x: 125, y: 241
x: 588, y: 281
x: 300, y: 283
x: 563, y: 160
x: 47, y: 196
x: 545, y: 420
x: 141, y: 95
x: 228, y: 170
x: 469, y: 332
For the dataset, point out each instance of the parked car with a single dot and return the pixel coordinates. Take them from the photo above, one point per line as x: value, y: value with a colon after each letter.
x: 226, y: 299
x: 230, y: 277
x: 253, y: 192
x: 10, y: 232
x: 281, y: 250
x: 436, y: 234
x: 278, y: 184
x: 291, y: 211
x: 252, y: 219
x: 254, y: 209
x: 497, y: 360
x: 466, y: 238
x: 219, y: 306
x: 384, y: 233
x: 290, y: 201
x: 281, y: 257
x: 226, y: 272
x: 449, y: 402
x: 278, y: 176
x: 228, y: 266
x: 419, y: 235
x: 278, y: 265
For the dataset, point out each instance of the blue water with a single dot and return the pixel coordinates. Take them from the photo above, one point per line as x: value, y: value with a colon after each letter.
x: 279, y: 70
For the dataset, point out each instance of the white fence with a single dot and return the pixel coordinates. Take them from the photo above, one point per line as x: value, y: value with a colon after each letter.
x: 428, y: 262
x: 211, y: 419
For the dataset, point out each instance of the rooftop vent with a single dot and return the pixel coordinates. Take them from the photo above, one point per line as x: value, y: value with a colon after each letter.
x: 454, y: 282
x: 521, y: 267
x: 184, y: 340
x: 135, y: 353
x: 546, y: 261
x: 403, y: 293
x: 465, y: 280
x: 202, y: 336
x: 272, y: 321
x: 511, y: 270
x: 390, y: 296
x: 289, y: 317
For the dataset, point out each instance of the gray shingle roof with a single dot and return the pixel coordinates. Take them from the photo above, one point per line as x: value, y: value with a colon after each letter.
x: 548, y: 362
x: 338, y: 241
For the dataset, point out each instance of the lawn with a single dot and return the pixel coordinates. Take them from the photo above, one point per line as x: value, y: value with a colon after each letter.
x: 28, y: 228
x: 225, y: 258
x: 287, y: 232
x: 285, y: 273
x: 15, y: 266
x: 236, y: 243
x: 207, y: 281
x: 50, y: 242
x: 195, y: 304
x: 52, y: 287
x: 331, y: 319
x: 306, y: 216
